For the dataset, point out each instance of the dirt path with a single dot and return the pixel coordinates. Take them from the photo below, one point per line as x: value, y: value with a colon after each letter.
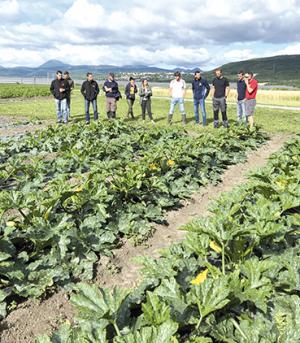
x: 197, y: 206
x: 17, y: 125
x: 33, y: 318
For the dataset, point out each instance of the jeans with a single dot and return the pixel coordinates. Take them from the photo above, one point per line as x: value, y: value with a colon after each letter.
x: 87, y: 109
x: 241, y: 110
x: 68, y: 98
x: 200, y: 102
x: 174, y: 102
x: 61, y: 110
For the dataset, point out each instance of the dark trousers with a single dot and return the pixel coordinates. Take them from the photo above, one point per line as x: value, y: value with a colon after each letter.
x: 130, y: 103
x: 220, y: 104
x: 87, y: 109
x: 146, y: 106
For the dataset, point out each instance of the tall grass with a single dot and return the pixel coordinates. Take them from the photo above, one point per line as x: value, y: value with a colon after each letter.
x: 269, y: 97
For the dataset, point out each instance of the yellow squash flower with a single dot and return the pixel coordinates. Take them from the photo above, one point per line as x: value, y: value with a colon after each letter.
x: 78, y: 189
x: 200, y: 278
x: 214, y: 246
x: 153, y: 166
x: 170, y: 163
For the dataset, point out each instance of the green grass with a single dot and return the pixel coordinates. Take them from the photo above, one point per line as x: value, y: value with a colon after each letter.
x: 43, y: 108
x: 19, y: 90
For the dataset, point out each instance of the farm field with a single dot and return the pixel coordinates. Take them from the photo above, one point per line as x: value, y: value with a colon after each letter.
x: 272, y: 120
x: 234, y: 278
x: 72, y: 196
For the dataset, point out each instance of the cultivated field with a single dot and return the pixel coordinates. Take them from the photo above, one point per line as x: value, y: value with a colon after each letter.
x: 80, y: 204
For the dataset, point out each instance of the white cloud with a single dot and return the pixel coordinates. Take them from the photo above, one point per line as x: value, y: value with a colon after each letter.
x: 165, y: 32
x: 239, y: 55
x: 289, y: 50
x: 9, y: 8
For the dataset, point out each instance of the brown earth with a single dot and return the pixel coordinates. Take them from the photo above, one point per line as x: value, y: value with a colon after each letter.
x: 32, y: 318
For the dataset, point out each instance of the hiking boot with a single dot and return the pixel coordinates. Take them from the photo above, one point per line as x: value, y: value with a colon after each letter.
x: 170, y: 116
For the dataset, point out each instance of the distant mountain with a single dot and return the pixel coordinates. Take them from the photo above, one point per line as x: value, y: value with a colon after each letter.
x: 274, y: 69
x: 51, y: 66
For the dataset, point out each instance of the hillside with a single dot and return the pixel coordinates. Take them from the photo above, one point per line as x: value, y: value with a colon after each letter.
x: 274, y: 69
x: 284, y: 70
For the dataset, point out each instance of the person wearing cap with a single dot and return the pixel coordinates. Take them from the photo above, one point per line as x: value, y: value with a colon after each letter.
x: 112, y: 94
x: 220, y: 93
x: 68, y: 94
x: 130, y: 91
x: 241, y: 96
x: 59, y: 89
x: 251, y: 91
x: 145, y: 99
x: 201, y: 90
x: 177, y: 92
x: 90, y: 91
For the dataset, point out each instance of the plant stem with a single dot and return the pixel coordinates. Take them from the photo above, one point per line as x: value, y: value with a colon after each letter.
x: 117, y: 329
x: 235, y: 323
x: 199, y: 322
x: 223, y: 259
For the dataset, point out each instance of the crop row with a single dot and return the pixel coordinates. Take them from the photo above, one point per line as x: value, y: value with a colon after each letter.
x: 234, y: 278
x: 71, y: 194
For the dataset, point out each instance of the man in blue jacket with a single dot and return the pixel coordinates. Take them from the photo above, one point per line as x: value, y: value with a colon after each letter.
x: 201, y: 90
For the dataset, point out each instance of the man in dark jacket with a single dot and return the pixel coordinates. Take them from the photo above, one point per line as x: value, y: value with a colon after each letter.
x: 130, y: 91
x: 201, y: 90
x: 112, y: 93
x: 71, y: 85
x: 90, y: 91
x: 59, y: 89
x: 241, y: 97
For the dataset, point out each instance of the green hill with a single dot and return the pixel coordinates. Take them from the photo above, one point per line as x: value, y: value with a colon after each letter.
x: 270, y: 69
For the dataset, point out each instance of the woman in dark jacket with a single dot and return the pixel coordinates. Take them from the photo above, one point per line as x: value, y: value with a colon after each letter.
x: 145, y: 99
x: 130, y: 91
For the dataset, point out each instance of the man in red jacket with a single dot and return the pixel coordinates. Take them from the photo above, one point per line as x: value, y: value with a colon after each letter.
x: 251, y: 91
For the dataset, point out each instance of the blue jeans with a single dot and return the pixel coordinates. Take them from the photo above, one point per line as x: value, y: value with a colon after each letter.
x: 61, y: 110
x: 200, y: 102
x: 174, y: 102
x: 87, y: 109
x: 241, y: 110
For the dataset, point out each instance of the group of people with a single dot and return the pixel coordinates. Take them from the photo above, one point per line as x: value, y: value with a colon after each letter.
x: 247, y: 87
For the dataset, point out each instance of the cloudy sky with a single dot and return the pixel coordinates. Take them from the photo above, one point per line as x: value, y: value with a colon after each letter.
x: 166, y: 33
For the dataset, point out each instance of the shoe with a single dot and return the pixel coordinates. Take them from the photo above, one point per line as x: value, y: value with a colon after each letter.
x: 87, y: 122
x: 59, y: 122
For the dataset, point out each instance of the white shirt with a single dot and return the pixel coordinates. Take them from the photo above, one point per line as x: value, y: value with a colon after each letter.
x: 178, y: 88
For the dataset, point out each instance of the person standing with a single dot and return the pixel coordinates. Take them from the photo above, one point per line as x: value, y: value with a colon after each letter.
x: 201, y: 90
x: 251, y: 91
x: 59, y: 89
x: 220, y: 93
x: 130, y: 91
x: 71, y: 87
x: 90, y: 91
x: 241, y: 97
x: 145, y: 99
x: 177, y: 92
x: 112, y: 94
